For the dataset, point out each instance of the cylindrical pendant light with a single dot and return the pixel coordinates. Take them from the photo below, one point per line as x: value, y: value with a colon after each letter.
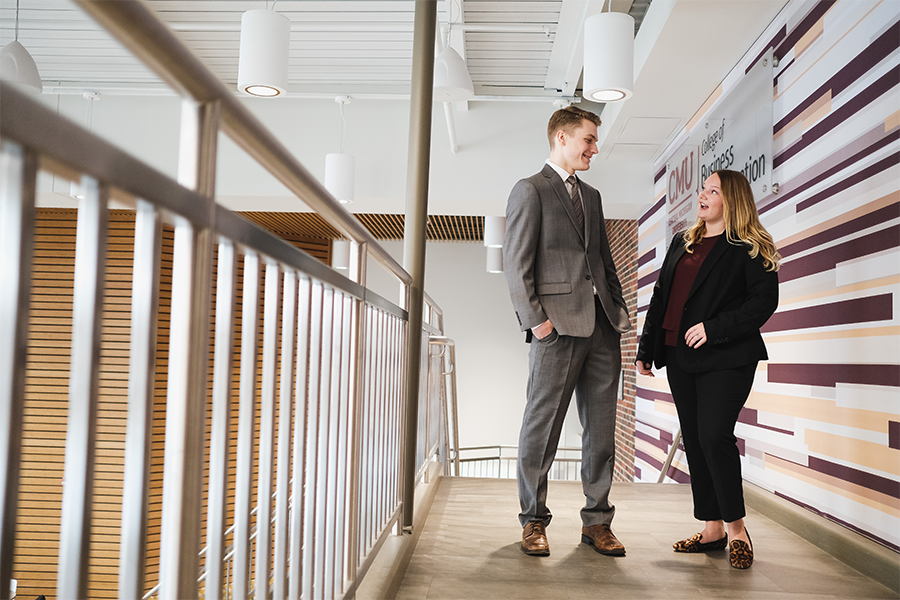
x: 340, y: 172
x: 494, y: 230
x: 608, y: 57
x: 495, y: 260
x: 265, y: 45
x: 340, y: 254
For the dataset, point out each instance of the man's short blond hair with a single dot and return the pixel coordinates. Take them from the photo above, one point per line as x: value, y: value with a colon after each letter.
x: 568, y: 119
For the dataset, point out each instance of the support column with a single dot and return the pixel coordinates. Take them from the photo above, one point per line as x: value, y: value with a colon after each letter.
x: 415, y: 227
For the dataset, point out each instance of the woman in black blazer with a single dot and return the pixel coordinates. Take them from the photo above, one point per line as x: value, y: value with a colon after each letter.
x: 717, y: 286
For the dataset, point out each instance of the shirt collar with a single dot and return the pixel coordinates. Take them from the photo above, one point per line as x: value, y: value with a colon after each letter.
x: 559, y: 170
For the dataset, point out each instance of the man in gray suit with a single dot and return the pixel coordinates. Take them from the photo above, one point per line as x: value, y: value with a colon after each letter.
x: 568, y: 300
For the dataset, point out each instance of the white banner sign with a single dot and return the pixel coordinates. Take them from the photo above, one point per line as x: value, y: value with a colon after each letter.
x: 735, y: 135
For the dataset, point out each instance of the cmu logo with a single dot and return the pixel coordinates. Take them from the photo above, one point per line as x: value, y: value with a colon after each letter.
x: 681, y: 179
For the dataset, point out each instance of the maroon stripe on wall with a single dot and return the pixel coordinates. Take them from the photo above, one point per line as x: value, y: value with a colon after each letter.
x: 837, y: 167
x: 894, y: 435
x: 827, y: 259
x: 652, y: 210
x: 858, y: 310
x: 870, y: 171
x: 654, y: 395
x: 783, y: 70
x: 651, y: 254
x: 675, y: 473
x: 648, y: 279
x: 664, y: 435
x: 870, y: 481
x: 834, y: 519
x: 877, y: 51
x: 661, y: 444
x: 750, y: 416
x: 803, y: 26
x: 775, y: 41
x: 839, y: 116
x: 659, y: 174
x: 827, y: 375
x: 875, y: 217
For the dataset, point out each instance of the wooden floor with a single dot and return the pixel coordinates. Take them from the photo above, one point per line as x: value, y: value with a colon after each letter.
x: 470, y: 549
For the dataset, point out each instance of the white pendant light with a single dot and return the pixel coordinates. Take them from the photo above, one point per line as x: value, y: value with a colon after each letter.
x: 452, y: 82
x: 495, y: 260
x: 340, y: 172
x: 17, y: 66
x: 75, y: 187
x: 265, y: 45
x: 340, y: 168
x: 608, y: 57
x: 494, y: 230
x: 340, y: 254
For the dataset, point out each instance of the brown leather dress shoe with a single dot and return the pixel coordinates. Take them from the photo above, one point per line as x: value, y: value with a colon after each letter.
x: 601, y: 538
x: 534, y: 539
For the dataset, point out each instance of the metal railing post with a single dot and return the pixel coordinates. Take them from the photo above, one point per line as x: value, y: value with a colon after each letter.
x: 18, y: 175
x: 220, y: 426
x: 141, y: 382
x: 188, y: 359
x: 81, y: 431
x: 415, y: 229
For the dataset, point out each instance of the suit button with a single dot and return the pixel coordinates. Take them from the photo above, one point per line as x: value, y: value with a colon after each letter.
x: 588, y: 277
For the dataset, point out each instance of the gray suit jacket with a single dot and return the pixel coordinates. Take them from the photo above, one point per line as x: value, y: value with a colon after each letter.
x: 551, y: 268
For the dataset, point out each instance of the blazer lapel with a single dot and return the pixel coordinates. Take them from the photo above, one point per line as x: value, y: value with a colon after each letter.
x: 718, y: 251
x: 562, y: 194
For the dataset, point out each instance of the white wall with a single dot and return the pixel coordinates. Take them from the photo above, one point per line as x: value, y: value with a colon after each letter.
x: 491, y: 353
x: 500, y: 142
x: 492, y: 358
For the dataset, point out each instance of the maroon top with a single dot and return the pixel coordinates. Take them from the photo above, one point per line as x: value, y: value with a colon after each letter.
x: 685, y: 273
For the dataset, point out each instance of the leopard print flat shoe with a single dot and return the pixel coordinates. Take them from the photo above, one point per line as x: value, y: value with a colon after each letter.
x: 741, y: 553
x: 693, y: 544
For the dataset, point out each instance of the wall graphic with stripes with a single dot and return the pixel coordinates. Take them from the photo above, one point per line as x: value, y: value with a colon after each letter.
x: 822, y: 425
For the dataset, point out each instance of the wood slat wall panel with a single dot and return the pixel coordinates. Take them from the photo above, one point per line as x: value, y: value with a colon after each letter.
x: 47, y: 371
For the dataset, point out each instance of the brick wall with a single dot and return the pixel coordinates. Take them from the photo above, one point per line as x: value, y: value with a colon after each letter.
x: 623, y: 241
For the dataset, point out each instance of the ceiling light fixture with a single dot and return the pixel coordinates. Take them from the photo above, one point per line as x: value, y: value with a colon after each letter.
x: 265, y: 46
x: 340, y: 254
x: 75, y: 187
x: 452, y: 82
x: 495, y: 260
x: 608, y: 57
x: 17, y: 66
x: 494, y: 230
x: 340, y: 168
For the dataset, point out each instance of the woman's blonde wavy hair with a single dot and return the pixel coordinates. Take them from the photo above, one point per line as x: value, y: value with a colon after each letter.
x: 741, y: 221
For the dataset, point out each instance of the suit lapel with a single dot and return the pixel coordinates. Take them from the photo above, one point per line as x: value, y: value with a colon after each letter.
x: 677, y: 253
x: 562, y: 194
x: 718, y: 251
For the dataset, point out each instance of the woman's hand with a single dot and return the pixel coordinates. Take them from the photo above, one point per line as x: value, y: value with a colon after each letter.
x: 695, y: 336
x: 643, y: 368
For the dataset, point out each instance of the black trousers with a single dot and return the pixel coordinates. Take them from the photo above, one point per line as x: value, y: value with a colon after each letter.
x: 708, y: 406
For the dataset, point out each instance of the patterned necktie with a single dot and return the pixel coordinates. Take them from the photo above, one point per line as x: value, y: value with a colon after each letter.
x: 576, y: 201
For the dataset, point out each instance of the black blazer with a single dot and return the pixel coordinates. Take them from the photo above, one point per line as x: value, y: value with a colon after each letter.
x: 733, y: 296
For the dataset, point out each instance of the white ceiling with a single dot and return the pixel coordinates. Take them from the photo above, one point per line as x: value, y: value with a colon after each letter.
x: 516, y: 50
x: 519, y: 48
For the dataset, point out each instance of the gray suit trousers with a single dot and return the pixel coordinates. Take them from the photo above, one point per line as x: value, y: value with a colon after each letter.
x: 559, y: 365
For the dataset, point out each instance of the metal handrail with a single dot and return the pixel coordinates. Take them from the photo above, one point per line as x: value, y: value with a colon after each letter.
x: 135, y: 26
x: 444, y: 343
